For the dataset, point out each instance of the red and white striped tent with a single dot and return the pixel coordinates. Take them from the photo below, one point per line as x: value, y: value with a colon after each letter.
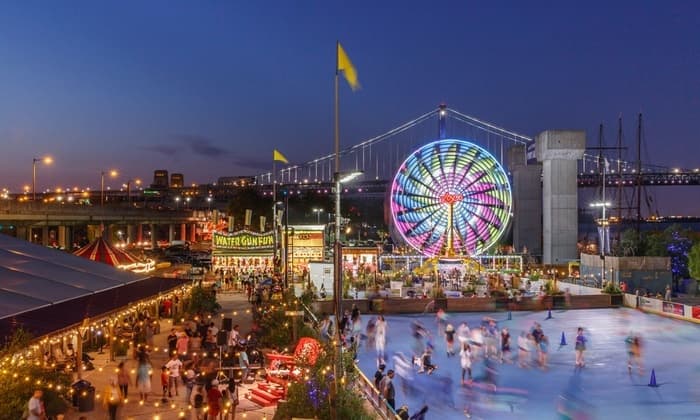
x: 102, y: 251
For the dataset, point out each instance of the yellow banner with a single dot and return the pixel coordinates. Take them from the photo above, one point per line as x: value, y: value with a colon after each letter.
x: 243, y: 240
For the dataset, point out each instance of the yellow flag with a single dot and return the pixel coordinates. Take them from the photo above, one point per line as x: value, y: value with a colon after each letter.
x: 345, y: 65
x: 279, y: 157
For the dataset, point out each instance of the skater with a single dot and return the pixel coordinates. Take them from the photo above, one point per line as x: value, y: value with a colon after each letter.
x: 634, y: 353
x: 580, y: 347
x: 427, y: 363
x: 380, y: 337
x: 505, y: 345
x: 543, y: 349
x: 441, y: 319
x: 523, y: 349
x: 465, y: 358
x: 450, y: 340
x: 419, y: 333
x: 463, y: 332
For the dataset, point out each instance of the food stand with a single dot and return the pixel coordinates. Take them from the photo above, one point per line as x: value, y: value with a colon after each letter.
x: 243, y: 251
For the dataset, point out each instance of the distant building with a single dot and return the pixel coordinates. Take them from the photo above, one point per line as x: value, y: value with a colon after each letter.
x: 160, y: 179
x: 235, y: 181
x: 177, y: 181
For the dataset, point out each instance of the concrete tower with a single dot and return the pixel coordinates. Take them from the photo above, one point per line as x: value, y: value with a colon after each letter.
x: 559, y: 152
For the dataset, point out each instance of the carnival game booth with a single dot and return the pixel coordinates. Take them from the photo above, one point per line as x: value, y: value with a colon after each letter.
x: 304, y: 243
x: 63, y: 299
x: 243, y: 252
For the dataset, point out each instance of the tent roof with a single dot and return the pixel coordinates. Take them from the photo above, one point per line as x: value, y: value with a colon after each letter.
x: 102, y: 251
x: 32, y: 276
x: 44, y: 290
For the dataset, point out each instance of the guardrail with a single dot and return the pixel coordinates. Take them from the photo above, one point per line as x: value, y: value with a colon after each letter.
x: 374, y: 396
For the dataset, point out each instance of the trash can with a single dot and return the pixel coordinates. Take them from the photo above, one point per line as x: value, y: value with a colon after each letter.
x: 83, y: 395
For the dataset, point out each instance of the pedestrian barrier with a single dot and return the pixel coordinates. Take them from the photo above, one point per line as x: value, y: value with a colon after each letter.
x: 563, y: 339
x: 652, y: 380
x: 374, y: 396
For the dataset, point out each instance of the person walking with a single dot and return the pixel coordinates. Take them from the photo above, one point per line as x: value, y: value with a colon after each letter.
x: 143, y: 377
x: 388, y: 390
x: 123, y: 380
x: 112, y: 398
x: 35, y: 406
x: 667, y: 296
x: 173, y: 366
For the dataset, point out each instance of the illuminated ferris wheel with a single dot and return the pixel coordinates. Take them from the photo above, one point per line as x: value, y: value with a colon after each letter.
x: 451, y: 197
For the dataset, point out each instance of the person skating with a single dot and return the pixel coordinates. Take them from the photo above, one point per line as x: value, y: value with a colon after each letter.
x: 450, y: 339
x: 427, y: 363
x: 465, y: 359
x: 580, y: 347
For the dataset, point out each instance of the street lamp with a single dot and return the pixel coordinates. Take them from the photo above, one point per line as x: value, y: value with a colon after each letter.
x: 177, y: 202
x: 339, y: 178
x: 209, y: 204
x: 48, y: 160
x: 318, y: 215
x: 113, y: 174
x: 128, y: 189
x: 187, y: 202
x: 603, y: 223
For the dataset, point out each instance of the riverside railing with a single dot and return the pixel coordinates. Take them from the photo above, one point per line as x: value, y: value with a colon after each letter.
x: 374, y: 397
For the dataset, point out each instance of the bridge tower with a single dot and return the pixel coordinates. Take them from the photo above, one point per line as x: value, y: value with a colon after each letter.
x: 442, y: 122
x: 559, y: 152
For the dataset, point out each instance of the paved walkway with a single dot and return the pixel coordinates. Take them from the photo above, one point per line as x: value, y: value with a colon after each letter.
x: 234, y: 305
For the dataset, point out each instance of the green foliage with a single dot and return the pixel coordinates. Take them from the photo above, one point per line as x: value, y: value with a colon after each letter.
x: 202, y: 301
x: 656, y: 244
x: 630, y: 244
x: 694, y: 261
x: 248, y: 198
x: 17, y: 390
x: 534, y: 277
x: 612, y: 289
x: 551, y: 288
x: 312, y: 396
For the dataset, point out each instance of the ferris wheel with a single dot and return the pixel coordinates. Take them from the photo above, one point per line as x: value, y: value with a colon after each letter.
x: 451, y: 197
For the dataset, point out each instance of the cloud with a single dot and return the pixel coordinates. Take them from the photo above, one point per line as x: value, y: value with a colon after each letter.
x: 163, y: 149
x: 203, y: 146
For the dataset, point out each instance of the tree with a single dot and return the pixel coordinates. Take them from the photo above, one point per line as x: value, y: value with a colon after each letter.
x: 694, y: 261
x: 630, y: 244
x: 202, y: 301
x: 678, y: 247
x: 249, y: 198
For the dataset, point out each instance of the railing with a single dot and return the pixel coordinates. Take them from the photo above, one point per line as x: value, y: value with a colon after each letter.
x: 374, y: 397
x: 309, y: 313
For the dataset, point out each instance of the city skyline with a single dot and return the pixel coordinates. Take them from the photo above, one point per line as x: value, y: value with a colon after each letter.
x: 210, y: 90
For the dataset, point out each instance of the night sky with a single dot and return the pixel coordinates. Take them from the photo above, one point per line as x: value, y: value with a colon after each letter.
x: 209, y: 88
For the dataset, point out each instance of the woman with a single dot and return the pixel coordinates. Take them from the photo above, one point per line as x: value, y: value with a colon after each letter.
x: 143, y: 376
x: 465, y: 359
x: 112, y: 398
x: 123, y: 379
x: 380, y: 337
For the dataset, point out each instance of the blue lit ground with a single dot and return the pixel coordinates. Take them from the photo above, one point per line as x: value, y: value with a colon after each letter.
x: 603, y: 389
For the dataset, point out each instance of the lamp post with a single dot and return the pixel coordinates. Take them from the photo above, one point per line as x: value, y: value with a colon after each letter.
x: 318, y: 215
x: 177, y: 203
x: 603, y: 223
x: 128, y: 189
x: 46, y: 160
x: 337, y: 261
x: 112, y: 173
x: 209, y: 204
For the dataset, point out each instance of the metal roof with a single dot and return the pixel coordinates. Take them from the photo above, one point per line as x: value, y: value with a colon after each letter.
x: 34, y: 276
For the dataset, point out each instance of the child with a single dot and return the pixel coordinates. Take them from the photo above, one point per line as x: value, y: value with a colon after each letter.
x: 164, y: 380
x: 580, y: 347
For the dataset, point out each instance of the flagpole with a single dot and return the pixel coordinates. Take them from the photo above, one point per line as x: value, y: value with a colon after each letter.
x: 274, y: 211
x: 337, y: 269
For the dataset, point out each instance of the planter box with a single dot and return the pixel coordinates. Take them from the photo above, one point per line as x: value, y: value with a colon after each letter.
x: 616, y: 300
x: 440, y: 303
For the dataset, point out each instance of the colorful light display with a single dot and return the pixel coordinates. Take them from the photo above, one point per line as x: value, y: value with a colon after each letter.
x: 451, y: 197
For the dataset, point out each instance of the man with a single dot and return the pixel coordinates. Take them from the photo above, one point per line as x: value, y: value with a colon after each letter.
x: 388, y: 389
x: 36, y: 406
x: 172, y: 342
x: 233, y: 337
x: 379, y: 375
x: 173, y: 366
x: 667, y: 297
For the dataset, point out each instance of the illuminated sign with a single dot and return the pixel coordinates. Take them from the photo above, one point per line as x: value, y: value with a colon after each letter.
x: 243, y: 240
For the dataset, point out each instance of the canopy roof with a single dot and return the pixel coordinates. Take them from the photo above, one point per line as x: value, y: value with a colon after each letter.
x: 102, y: 251
x: 44, y: 289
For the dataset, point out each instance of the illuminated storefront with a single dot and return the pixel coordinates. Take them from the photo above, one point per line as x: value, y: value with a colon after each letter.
x: 360, y: 260
x: 305, y: 244
x: 243, y: 251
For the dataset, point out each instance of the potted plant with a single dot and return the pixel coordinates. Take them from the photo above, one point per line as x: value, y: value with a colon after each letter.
x: 440, y: 298
x: 615, y: 293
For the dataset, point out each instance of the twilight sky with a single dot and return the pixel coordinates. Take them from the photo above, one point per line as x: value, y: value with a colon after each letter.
x: 209, y: 88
